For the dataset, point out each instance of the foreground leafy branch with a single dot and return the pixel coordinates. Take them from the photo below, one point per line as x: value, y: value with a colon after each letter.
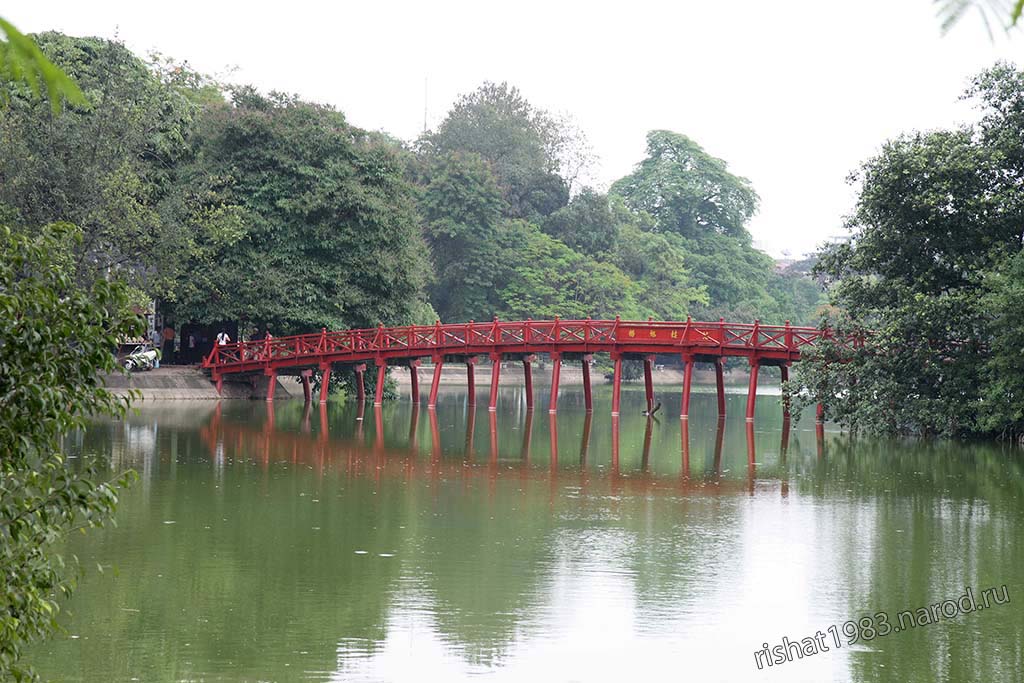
x: 56, y: 340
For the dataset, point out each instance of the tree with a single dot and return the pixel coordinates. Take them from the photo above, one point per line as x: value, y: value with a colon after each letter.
x: 546, y: 278
x: 108, y: 168
x: 462, y: 207
x: 688, y: 191
x: 331, y: 237
x: 56, y: 340
x: 700, y: 210
x: 23, y: 63
x: 586, y: 224
x: 931, y: 279
x: 534, y: 156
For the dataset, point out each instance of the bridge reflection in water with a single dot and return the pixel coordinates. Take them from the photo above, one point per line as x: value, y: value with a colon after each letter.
x: 311, y: 443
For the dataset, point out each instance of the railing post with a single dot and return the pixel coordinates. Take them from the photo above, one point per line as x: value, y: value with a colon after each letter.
x: 754, y: 334
x: 527, y: 330
x: 615, y: 329
x: 322, y: 347
x: 789, y: 338
x: 554, y: 331
x: 586, y: 331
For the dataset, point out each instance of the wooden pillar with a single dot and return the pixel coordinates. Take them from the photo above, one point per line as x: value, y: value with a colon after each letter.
x: 360, y: 384
x: 819, y: 415
x: 587, y: 398
x: 649, y: 383
x: 378, y: 394
x: 556, y: 371
x: 684, y: 413
x: 414, y: 380
x: 616, y: 383
x: 307, y: 392
x: 325, y: 381
x: 435, y: 382
x: 471, y: 380
x: 785, y: 400
x: 528, y: 375
x: 752, y: 389
x: 720, y: 383
x: 492, y: 405
x: 272, y: 384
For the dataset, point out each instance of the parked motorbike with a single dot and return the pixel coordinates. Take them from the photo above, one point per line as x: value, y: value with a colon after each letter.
x: 142, y: 358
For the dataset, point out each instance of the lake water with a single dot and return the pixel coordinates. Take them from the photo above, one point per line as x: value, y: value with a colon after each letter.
x: 286, y: 544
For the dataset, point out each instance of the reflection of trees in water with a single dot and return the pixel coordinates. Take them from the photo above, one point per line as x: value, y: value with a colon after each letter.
x: 484, y: 545
x: 943, y: 516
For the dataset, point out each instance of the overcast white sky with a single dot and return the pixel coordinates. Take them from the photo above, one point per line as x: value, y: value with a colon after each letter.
x: 792, y: 94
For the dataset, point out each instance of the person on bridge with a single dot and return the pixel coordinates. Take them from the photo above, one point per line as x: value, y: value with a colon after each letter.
x: 223, y: 338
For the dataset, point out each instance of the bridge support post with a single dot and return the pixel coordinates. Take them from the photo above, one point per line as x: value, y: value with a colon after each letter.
x: 471, y: 380
x: 819, y: 415
x: 616, y: 383
x: 436, y: 381
x: 649, y: 383
x: 785, y: 400
x: 755, y: 365
x: 492, y: 405
x: 360, y: 383
x: 720, y: 384
x: 528, y: 376
x: 684, y: 413
x: 307, y: 393
x: 587, y: 398
x: 325, y: 380
x: 556, y: 371
x: 378, y: 395
x: 414, y: 380
x: 271, y: 373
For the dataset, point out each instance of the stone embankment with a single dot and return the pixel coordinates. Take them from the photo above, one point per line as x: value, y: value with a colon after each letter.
x: 189, y: 382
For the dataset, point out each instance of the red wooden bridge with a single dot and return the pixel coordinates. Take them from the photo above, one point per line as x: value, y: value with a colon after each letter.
x: 694, y: 342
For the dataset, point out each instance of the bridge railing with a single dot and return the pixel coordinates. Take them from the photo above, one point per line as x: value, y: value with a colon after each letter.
x: 470, y: 336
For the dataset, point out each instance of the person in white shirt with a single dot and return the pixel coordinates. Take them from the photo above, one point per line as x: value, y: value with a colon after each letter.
x: 223, y: 338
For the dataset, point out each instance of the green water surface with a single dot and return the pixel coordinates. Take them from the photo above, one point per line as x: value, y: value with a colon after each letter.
x: 288, y: 544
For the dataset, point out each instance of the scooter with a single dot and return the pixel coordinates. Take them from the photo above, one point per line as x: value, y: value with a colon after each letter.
x: 142, y: 358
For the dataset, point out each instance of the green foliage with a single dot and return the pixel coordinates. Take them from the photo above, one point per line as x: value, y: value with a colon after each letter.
x: 331, y: 238
x: 686, y: 190
x: 22, y: 62
x: 934, y: 272
x: 1006, y: 12
x: 587, y: 224
x: 525, y: 147
x: 462, y: 209
x: 55, y: 337
x: 547, y: 279
x: 109, y: 168
x: 701, y: 209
